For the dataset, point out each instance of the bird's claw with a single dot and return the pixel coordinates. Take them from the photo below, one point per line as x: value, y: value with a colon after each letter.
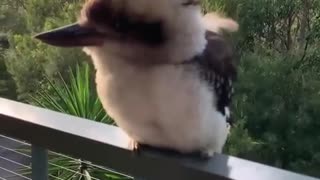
x: 207, y: 154
x: 136, y: 147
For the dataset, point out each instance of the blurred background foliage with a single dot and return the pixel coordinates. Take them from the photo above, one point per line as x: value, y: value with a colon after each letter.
x: 277, y: 101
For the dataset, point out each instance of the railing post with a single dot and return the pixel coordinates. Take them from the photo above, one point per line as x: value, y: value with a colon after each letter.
x: 39, y: 163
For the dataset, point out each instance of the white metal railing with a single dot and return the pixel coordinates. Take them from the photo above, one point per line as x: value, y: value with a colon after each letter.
x: 20, y: 156
x: 108, y: 146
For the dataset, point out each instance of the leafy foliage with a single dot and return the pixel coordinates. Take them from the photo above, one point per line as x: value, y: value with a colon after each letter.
x: 281, y: 112
x: 7, y: 85
x: 30, y: 61
x: 77, y: 98
x: 277, y: 96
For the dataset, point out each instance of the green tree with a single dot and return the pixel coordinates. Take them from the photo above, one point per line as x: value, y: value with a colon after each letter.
x: 78, y: 98
x: 277, y: 95
x: 7, y: 85
x: 276, y: 105
x: 29, y: 61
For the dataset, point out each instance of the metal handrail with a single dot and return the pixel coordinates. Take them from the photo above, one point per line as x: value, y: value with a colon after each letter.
x: 108, y: 146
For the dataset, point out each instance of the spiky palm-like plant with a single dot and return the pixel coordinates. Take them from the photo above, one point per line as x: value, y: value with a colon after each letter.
x: 79, y: 98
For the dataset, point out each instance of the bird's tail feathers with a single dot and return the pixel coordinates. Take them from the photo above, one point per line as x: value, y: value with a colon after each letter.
x: 217, y: 23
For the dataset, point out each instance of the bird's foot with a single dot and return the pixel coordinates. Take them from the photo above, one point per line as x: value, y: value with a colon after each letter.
x: 135, y: 146
x: 207, y: 154
x: 228, y: 128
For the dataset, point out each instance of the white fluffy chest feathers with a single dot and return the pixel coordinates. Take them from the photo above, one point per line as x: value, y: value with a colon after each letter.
x: 166, y: 106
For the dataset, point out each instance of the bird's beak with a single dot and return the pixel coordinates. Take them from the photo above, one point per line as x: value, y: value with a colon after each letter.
x: 73, y: 35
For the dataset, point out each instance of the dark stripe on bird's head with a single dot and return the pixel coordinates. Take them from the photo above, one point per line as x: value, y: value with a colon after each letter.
x: 191, y: 3
x: 129, y: 27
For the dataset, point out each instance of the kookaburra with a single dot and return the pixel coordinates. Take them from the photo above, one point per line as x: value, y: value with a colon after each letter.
x: 164, y: 72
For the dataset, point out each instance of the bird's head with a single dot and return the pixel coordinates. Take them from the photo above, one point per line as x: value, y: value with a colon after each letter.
x: 135, y: 29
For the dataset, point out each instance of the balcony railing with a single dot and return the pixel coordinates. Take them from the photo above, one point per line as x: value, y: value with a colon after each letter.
x: 107, y: 146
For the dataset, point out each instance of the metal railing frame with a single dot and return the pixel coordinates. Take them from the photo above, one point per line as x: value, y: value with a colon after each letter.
x: 108, y: 146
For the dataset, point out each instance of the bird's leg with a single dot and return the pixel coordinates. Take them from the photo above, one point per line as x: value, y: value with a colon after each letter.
x: 207, y: 154
x: 228, y: 127
x: 135, y: 146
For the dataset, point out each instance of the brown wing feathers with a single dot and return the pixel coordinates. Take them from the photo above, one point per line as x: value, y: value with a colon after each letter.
x: 218, y: 70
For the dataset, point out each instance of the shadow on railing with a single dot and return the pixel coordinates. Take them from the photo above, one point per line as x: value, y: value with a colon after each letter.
x: 108, y: 146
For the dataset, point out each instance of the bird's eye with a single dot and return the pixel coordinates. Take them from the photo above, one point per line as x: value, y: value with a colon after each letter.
x: 118, y: 25
x: 122, y: 25
x: 191, y: 2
